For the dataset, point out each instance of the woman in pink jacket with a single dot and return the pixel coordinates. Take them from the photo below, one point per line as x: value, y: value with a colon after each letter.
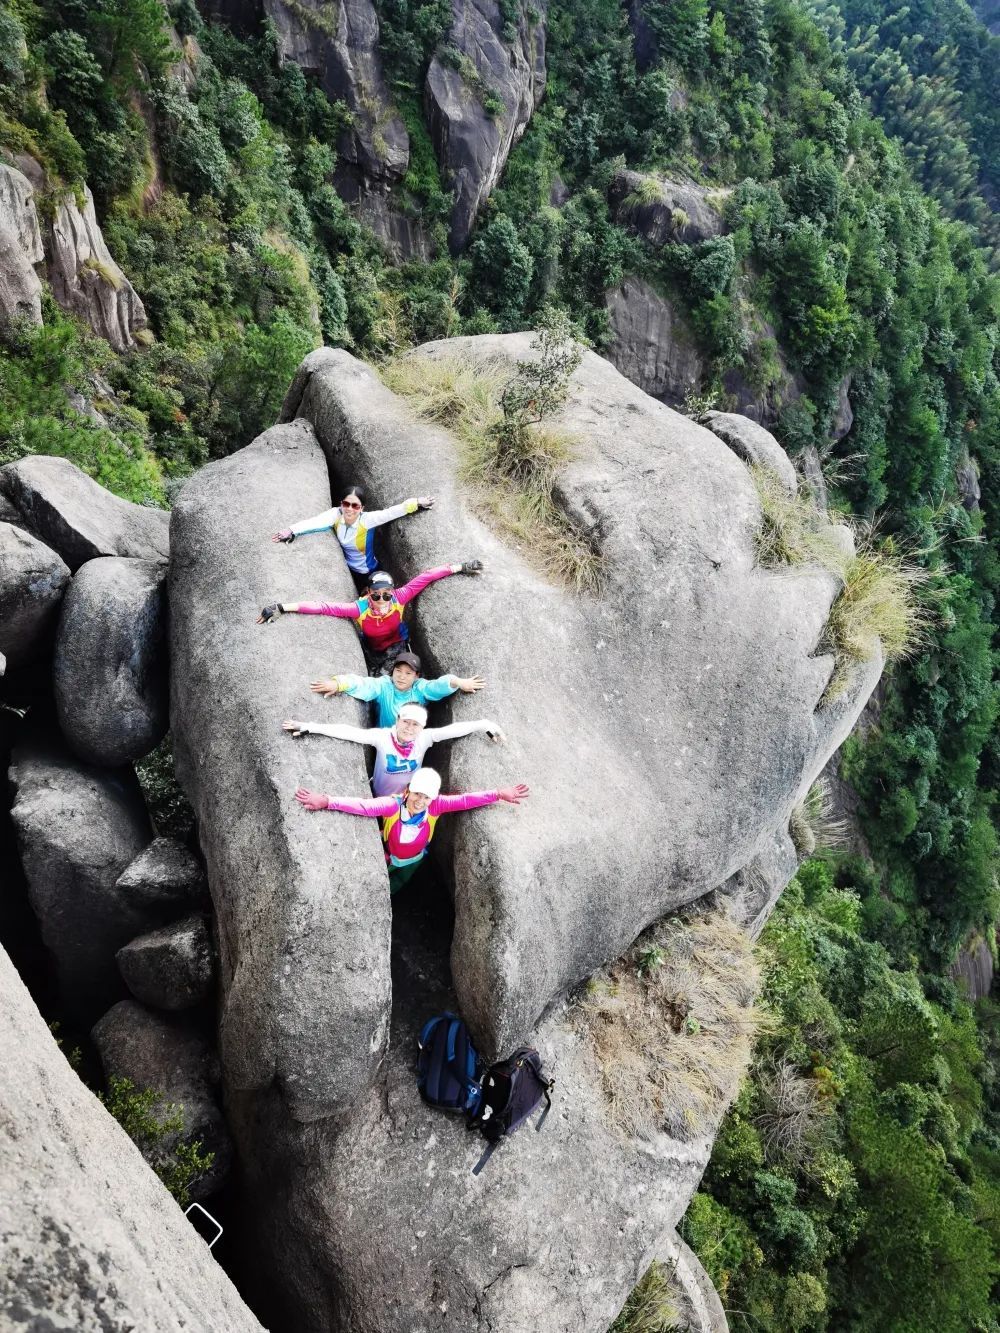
x: 408, y: 819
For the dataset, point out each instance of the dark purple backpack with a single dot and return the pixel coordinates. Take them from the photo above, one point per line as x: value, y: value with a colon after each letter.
x: 511, y: 1090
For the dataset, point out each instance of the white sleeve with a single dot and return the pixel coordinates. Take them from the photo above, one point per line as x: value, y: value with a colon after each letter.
x: 374, y: 518
x: 456, y: 729
x: 343, y: 731
x: 318, y: 524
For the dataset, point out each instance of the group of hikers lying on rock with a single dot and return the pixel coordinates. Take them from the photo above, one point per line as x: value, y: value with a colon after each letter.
x: 407, y: 796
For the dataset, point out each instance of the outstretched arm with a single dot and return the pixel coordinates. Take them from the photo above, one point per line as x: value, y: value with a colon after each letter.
x: 340, y: 731
x: 358, y: 687
x: 374, y: 518
x: 456, y: 729
x: 416, y: 585
x: 342, y: 610
x: 472, y: 800
x: 318, y: 524
x: 372, y: 807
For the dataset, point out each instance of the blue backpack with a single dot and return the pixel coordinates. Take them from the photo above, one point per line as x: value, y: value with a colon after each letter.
x: 449, y: 1069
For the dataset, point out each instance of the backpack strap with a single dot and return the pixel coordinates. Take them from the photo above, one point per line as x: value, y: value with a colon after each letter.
x: 488, y: 1153
x: 548, y: 1086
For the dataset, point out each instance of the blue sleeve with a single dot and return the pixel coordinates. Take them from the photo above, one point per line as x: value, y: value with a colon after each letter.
x: 363, y: 687
x: 431, y: 690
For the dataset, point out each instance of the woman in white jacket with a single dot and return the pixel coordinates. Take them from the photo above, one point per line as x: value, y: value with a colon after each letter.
x: 354, y: 527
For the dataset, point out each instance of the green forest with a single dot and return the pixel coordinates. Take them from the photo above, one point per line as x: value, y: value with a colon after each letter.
x: 856, y: 1182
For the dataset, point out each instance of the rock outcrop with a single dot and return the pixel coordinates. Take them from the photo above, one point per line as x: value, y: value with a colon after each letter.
x: 165, y: 877
x: 79, y: 519
x: 479, y: 95
x: 667, y: 212
x: 110, y: 665
x: 301, y: 900
x: 20, y: 250
x: 338, y: 42
x: 651, y: 344
x: 173, y: 1057
x: 92, y: 1240
x: 973, y: 968
x: 77, y: 829
x: 170, y: 968
x: 544, y: 897
x: 32, y: 582
x: 86, y: 280
x: 753, y: 444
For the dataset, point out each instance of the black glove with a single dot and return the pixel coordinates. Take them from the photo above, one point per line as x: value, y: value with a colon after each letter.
x: 471, y: 567
x: 288, y: 537
x: 270, y: 613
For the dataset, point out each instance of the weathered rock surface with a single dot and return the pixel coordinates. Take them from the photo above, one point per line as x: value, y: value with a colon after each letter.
x: 753, y: 444
x: 652, y: 345
x: 404, y: 237
x: 720, y: 663
x: 85, y: 278
x: 79, y: 519
x: 165, y: 877
x: 973, y: 968
x: 301, y: 900
x: 338, y: 42
x: 92, y: 1240
x: 20, y: 249
x: 667, y: 212
x: 552, y: 1235
x: 472, y: 146
x: 32, y: 582
x: 967, y: 482
x: 77, y: 829
x: 170, y: 968
x: 699, y: 1309
x: 175, y: 1058
x: 110, y: 664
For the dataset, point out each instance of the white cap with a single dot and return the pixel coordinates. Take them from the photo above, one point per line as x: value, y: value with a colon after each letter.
x: 413, y: 713
x: 426, y: 782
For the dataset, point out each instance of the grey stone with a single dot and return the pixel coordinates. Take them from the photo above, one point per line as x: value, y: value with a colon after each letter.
x: 651, y: 344
x: 77, y: 829
x: 20, y: 250
x: 472, y: 147
x: 812, y: 474
x: 18, y: 214
x: 110, y: 666
x: 751, y: 894
x: 172, y: 1056
x: 553, y: 1235
x: 404, y: 237
x: 972, y: 970
x: 32, y: 582
x: 165, y: 877
x: 92, y: 1240
x: 843, y: 415
x: 338, y: 42
x: 699, y: 1309
x: 720, y: 663
x: 667, y: 212
x: 79, y: 519
x: 753, y: 444
x: 170, y: 968
x: 967, y: 482
x: 85, y: 278
x: 301, y: 900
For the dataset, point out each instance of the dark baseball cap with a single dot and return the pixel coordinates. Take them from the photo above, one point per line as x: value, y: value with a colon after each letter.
x: 407, y: 659
x: 380, y: 579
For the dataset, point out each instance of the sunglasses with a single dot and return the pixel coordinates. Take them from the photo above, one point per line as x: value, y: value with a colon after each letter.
x: 349, y: 504
x: 381, y: 596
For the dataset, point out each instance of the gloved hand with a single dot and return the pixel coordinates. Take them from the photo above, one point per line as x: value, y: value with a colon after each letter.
x: 270, y: 613
x: 496, y: 735
x: 470, y: 567
x: 296, y: 728
x: 286, y: 535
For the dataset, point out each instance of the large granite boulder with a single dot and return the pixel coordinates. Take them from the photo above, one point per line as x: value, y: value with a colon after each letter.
x: 338, y: 42
x: 753, y: 444
x: 301, y: 900
x: 175, y: 1058
x: 110, y: 665
x: 170, y: 968
x: 712, y: 722
x: 479, y: 63
x: 32, y: 582
x: 77, y: 829
x: 85, y: 278
x: 92, y: 1240
x: 20, y: 250
x: 664, y: 211
x: 166, y: 877
x: 651, y: 344
x: 79, y: 519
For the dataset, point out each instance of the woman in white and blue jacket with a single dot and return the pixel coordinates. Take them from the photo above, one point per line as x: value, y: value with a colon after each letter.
x: 354, y: 527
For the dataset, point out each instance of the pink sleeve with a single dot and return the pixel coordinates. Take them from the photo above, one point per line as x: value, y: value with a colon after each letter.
x: 372, y: 806
x: 343, y: 610
x: 470, y: 800
x: 416, y: 585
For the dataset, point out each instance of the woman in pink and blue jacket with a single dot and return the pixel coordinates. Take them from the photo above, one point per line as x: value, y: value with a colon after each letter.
x: 408, y: 819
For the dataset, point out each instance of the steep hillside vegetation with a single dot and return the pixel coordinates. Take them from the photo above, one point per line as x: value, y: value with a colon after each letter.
x: 829, y: 268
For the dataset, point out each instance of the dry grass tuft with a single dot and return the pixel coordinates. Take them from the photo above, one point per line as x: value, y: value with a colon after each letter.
x: 795, y: 1111
x: 672, y: 1024
x: 511, y: 486
x: 880, y: 599
x: 813, y: 826
x: 652, y: 1306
